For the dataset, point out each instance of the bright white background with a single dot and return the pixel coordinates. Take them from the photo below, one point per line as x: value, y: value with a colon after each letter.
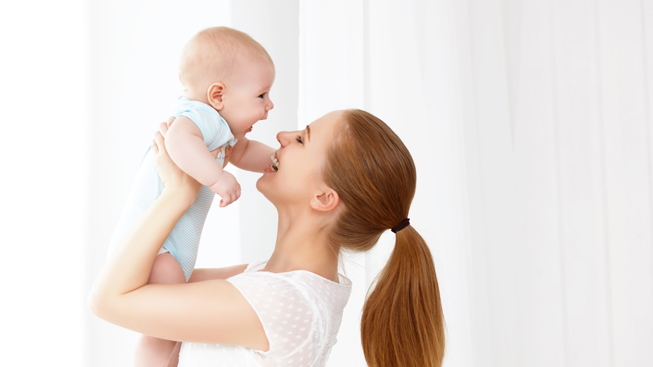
x: 530, y: 124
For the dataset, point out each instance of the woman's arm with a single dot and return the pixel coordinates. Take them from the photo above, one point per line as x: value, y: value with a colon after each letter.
x: 211, y: 311
x: 200, y: 275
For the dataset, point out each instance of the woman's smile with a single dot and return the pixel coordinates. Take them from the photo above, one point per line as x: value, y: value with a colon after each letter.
x: 275, y: 163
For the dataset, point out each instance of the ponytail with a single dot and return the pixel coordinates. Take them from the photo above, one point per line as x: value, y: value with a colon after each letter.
x: 403, y: 323
x: 374, y: 175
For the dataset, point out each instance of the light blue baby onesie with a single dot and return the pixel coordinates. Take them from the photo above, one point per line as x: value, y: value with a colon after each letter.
x: 184, y: 239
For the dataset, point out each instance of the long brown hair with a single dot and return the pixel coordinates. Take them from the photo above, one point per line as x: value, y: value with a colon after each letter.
x: 374, y: 175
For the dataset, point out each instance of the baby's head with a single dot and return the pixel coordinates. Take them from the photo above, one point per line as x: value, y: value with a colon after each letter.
x: 230, y: 71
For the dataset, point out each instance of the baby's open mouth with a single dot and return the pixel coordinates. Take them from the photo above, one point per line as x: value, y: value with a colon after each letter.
x: 275, y: 163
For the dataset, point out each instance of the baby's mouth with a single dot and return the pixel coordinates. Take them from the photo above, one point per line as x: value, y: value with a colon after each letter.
x: 275, y: 163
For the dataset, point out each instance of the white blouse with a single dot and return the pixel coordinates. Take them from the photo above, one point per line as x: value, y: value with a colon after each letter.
x: 300, y: 312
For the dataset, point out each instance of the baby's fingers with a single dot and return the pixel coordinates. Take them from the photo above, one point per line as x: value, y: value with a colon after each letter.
x: 230, y: 198
x: 225, y: 201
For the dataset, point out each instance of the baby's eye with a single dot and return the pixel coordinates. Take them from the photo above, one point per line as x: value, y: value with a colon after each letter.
x: 299, y: 139
x: 262, y: 95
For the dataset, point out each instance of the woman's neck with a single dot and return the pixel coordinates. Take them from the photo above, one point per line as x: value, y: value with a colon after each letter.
x: 302, y: 244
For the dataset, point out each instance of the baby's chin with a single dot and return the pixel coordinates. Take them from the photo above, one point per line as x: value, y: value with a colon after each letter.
x: 242, y: 133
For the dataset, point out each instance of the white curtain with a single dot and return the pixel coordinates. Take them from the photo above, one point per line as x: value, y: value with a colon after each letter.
x: 529, y: 122
x: 43, y: 189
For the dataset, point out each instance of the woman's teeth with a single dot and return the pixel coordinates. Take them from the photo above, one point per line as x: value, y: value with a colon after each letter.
x: 275, y: 163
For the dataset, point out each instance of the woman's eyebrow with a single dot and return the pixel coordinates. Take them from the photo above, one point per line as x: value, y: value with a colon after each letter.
x: 308, y: 132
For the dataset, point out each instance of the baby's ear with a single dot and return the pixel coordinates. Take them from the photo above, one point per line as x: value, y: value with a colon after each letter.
x: 215, y: 95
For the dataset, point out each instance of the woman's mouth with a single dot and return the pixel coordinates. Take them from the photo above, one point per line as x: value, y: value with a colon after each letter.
x: 275, y: 163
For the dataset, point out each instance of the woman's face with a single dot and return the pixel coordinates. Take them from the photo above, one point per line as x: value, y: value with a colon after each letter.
x: 301, y: 156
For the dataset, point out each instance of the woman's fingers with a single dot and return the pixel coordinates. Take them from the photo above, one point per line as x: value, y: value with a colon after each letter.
x: 163, y: 128
x: 215, y: 152
x: 227, y: 152
x: 169, y: 121
x: 158, y: 142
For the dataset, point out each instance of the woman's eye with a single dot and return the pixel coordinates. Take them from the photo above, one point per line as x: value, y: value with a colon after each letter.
x: 299, y: 139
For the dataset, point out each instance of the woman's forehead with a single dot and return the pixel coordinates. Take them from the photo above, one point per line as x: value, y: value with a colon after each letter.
x: 325, y: 125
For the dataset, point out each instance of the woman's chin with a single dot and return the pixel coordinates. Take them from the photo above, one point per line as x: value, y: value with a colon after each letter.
x: 264, y: 189
x: 260, y: 183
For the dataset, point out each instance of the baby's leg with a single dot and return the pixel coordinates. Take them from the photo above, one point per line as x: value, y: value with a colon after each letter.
x: 152, y: 351
x: 174, y: 358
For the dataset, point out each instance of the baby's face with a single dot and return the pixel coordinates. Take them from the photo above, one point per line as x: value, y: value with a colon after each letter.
x: 247, y: 97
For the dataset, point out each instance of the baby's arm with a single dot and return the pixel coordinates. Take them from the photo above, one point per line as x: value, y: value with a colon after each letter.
x: 251, y: 155
x: 186, y: 147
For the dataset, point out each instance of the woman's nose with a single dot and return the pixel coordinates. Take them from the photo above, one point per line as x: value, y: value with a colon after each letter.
x: 283, y: 137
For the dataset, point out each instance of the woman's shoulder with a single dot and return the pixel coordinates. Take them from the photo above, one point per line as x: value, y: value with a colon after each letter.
x: 307, y: 285
x: 300, y: 311
x: 300, y: 277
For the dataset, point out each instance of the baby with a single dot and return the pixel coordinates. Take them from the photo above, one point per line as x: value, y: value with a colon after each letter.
x: 227, y: 77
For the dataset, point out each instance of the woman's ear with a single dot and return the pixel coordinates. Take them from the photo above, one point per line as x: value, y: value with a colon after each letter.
x: 215, y: 95
x: 326, y: 200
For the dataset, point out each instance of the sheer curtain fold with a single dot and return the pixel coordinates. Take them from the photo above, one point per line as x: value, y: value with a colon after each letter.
x: 530, y: 126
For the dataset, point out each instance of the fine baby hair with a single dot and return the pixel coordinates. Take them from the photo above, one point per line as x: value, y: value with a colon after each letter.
x: 215, y: 54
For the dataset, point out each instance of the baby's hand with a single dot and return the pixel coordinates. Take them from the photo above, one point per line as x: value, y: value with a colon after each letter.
x: 227, y: 187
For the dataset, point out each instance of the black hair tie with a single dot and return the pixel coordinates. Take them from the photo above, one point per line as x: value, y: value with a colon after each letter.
x: 404, y: 223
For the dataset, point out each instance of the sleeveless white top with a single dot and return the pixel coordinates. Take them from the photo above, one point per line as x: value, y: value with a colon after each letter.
x: 300, y: 312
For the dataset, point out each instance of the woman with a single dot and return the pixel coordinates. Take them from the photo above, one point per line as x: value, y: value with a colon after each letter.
x: 340, y: 183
